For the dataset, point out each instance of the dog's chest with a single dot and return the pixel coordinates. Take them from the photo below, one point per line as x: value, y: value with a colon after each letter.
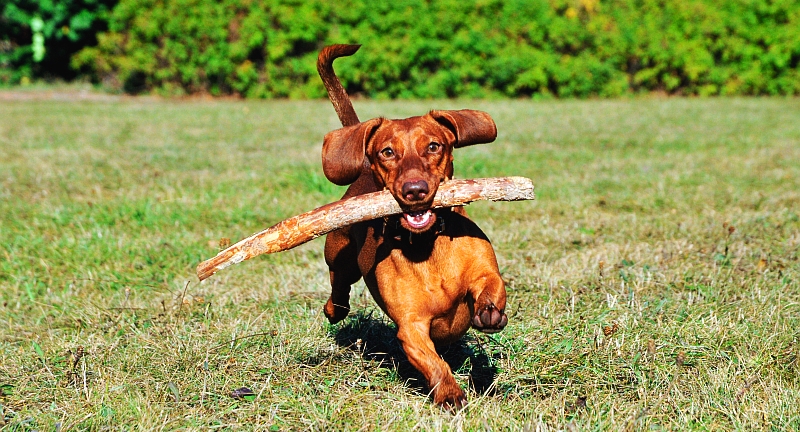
x: 427, y: 264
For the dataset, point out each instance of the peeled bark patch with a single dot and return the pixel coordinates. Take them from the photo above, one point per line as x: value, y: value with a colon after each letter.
x: 304, y: 227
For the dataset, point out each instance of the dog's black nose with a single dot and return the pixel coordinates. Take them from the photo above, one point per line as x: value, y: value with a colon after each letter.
x: 415, y: 190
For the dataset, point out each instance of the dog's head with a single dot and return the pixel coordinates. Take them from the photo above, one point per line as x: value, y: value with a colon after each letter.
x: 409, y: 157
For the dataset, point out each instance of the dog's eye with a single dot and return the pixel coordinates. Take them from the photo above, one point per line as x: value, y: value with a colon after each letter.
x: 387, y: 153
x: 434, y: 147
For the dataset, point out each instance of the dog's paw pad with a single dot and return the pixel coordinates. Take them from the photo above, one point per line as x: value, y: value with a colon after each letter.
x: 489, y: 319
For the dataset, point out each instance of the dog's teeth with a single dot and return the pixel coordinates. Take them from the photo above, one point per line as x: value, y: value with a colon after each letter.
x: 418, y: 219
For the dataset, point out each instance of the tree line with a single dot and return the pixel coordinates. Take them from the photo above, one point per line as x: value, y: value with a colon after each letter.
x: 411, y: 48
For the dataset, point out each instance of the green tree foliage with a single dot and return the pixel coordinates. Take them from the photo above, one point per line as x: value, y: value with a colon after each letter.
x: 446, y: 48
x: 62, y: 27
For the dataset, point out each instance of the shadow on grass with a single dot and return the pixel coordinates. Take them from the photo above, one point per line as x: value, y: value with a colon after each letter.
x: 376, y: 340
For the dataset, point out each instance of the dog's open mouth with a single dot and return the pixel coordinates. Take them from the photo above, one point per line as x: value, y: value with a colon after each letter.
x: 418, y: 219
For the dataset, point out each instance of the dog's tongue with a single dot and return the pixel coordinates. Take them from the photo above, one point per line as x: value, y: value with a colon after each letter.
x: 418, y: 219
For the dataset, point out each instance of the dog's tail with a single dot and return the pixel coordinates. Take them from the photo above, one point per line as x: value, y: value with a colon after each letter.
x: 336, y: 93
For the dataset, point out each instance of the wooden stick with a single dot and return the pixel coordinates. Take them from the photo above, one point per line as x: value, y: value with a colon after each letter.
x: 322, y: 220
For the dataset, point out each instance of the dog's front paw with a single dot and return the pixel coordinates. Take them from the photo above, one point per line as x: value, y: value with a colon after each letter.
x: 336, y: 312
x: 450, y: 397
x: 489, y: 319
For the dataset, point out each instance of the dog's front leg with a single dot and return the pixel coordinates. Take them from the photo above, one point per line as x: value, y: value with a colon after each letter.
x: 490, y: 303
x: 418, y: 346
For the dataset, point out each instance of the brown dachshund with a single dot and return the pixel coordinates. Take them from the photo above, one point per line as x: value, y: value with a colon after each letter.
x: 433, y: 272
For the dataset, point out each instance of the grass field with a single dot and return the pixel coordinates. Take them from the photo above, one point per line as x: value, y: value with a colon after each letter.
x: 653, y: 284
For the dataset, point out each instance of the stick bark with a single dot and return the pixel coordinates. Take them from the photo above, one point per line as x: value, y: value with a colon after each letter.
x: 304, y: 227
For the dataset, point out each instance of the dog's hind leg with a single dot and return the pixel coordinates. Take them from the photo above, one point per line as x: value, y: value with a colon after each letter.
x: 341, y: 257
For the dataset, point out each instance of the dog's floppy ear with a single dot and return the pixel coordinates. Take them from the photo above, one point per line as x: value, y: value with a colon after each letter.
x: 343, y: 151
x: 469, y: 126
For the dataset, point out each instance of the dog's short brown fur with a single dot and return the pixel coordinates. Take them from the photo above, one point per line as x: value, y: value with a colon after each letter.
x: 434, y: 273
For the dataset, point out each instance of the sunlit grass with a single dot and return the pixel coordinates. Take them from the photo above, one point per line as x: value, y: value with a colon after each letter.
x: 652, y: 284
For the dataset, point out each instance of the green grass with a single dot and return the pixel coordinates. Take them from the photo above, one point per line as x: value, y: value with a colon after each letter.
x: 653, y: 284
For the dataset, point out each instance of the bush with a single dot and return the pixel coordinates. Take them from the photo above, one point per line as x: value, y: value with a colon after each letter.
x: 66, y: 26
x: 448, y: 48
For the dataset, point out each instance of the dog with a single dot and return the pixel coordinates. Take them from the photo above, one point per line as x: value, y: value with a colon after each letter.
x: 433, y: 272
